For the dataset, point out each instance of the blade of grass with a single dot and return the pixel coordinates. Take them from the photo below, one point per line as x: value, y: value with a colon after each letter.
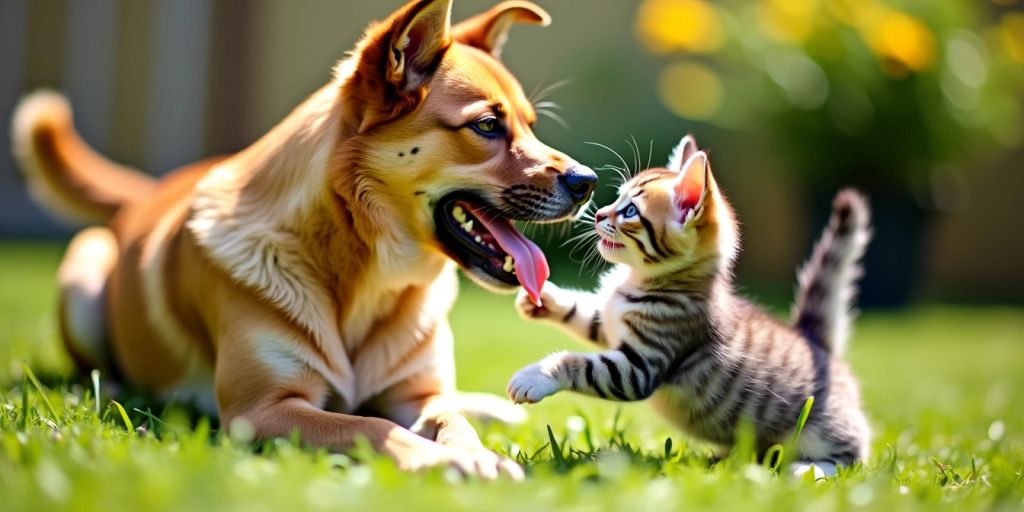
x: 41, y: 391
x: 556, y: 450
x: 615, y: 425
x: 773, y: 457
x: 804, y: 414
x: 539, y: 451
x: 95, y: 376
x: 124, y: 415
x: 789, y: 450
x: 587, y: 434
x: 24, y: 402
x: 156, y: 422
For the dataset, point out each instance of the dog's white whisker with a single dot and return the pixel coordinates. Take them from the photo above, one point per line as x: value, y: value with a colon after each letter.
x: 548, y: 105
x: 554, y: 117
x: 543, y: 93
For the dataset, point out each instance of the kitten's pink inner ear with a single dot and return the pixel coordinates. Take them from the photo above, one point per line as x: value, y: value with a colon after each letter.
x: 691, y: 184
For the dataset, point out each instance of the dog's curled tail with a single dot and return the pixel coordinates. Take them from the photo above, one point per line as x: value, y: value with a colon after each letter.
x: 827, y: 282
x: 63, y: 173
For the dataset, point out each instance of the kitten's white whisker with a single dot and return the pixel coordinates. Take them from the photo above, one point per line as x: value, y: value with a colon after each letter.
x: 581, y: 236
x: 620, y: 172
x: 625, y: 166
x: 636, y: 152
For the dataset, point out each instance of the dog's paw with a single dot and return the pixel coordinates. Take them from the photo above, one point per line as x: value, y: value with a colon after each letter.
x: 488, y: 465
x: 554, y: 303
x: 532, y: 384
x: 479, y: 463
x: 416, y: 453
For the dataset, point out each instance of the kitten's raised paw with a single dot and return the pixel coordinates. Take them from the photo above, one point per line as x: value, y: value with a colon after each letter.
x: 551, y: 303
x: 532, y: 384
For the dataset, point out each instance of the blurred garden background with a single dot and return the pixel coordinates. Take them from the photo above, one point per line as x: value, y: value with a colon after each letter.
x: 920, y: 103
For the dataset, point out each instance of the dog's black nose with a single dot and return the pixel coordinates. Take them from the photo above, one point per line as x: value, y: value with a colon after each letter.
x: 580, y: 181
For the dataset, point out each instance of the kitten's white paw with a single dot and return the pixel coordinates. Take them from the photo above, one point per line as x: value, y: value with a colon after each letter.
x: 532, y: 384
x: 821, y: 468
x: 554, y: 303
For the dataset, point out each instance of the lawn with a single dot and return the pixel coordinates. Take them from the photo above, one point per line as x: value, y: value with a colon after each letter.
x: 942, y: 386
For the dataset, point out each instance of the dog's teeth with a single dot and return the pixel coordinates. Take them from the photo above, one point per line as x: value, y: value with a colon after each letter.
x: 509, y: 265
x: 491, y: 247
x: 459, y: 214
x: 468, y: 226
x: 479, y: 240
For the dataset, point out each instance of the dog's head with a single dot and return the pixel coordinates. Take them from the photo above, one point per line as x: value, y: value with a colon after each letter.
x: 437, y: 136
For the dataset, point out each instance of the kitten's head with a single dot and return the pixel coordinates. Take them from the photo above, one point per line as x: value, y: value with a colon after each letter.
x: 670, y: 218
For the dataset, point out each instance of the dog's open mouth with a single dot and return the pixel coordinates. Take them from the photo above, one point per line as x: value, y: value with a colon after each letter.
x: 482, y: 241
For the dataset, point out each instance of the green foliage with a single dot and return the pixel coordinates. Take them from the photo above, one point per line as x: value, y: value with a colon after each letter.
x: 941, y: 385
x: 888, y: 93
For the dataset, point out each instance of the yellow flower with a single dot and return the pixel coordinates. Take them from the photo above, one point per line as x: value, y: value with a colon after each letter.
x: 788, y: 20
x: 1011, y: 34
x: 679, y: 25
x: 903, y: 42
x: 855, y: 12
x: 691, y: 90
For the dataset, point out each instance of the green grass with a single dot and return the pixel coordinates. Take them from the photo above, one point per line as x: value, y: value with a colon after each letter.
x: 942, y: 386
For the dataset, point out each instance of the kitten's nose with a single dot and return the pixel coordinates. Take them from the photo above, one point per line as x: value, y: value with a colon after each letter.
x: 580, y: 181
x: 599, y: 216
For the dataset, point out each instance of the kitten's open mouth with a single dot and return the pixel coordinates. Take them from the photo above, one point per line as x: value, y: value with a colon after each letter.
x: 486, y: 244
x: 608, y: 244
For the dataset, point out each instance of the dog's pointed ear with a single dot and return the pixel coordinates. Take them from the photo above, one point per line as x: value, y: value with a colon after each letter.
x: 489, y: 30
x: 682, y: 153
x: 418, y: 38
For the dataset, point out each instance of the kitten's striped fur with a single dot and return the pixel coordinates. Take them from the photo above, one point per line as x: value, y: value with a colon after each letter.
x: 673, y: 329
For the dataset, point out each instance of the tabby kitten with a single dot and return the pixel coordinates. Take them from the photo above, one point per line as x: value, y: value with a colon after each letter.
x: 673, y: 329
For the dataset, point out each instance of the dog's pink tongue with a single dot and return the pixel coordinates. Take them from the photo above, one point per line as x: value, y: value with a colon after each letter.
x: 531, y: 266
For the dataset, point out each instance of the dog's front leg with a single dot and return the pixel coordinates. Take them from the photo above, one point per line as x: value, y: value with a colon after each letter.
x: 262, y: 387
x: 422, y: 403
x: 430, y: 411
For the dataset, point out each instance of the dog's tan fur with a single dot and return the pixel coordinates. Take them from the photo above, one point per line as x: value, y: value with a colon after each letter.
x: 300, y: 280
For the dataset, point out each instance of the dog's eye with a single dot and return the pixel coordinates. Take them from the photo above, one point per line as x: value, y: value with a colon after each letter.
x: 487, y: 127
x: 630, y: 211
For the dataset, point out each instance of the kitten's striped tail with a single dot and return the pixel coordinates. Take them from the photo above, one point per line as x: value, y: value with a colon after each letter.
x: 826, y: 283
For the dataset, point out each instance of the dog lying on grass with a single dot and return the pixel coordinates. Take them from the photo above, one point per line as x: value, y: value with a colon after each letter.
x: 309, y: 276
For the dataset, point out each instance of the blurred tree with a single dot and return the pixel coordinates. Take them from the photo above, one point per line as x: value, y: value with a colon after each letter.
x: 888, y: 96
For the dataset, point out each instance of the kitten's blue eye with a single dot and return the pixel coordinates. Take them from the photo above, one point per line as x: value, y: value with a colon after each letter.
x: 630, y: 211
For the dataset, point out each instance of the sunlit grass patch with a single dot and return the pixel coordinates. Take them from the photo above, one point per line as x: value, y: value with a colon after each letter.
x: 942, y: 387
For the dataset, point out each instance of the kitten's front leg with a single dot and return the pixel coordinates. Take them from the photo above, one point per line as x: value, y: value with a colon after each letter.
x: 538, y: 380
x: 624, y: 374
x: 577, y: 312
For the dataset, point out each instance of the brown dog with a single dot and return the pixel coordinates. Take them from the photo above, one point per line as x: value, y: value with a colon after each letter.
x: 311, y: 274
